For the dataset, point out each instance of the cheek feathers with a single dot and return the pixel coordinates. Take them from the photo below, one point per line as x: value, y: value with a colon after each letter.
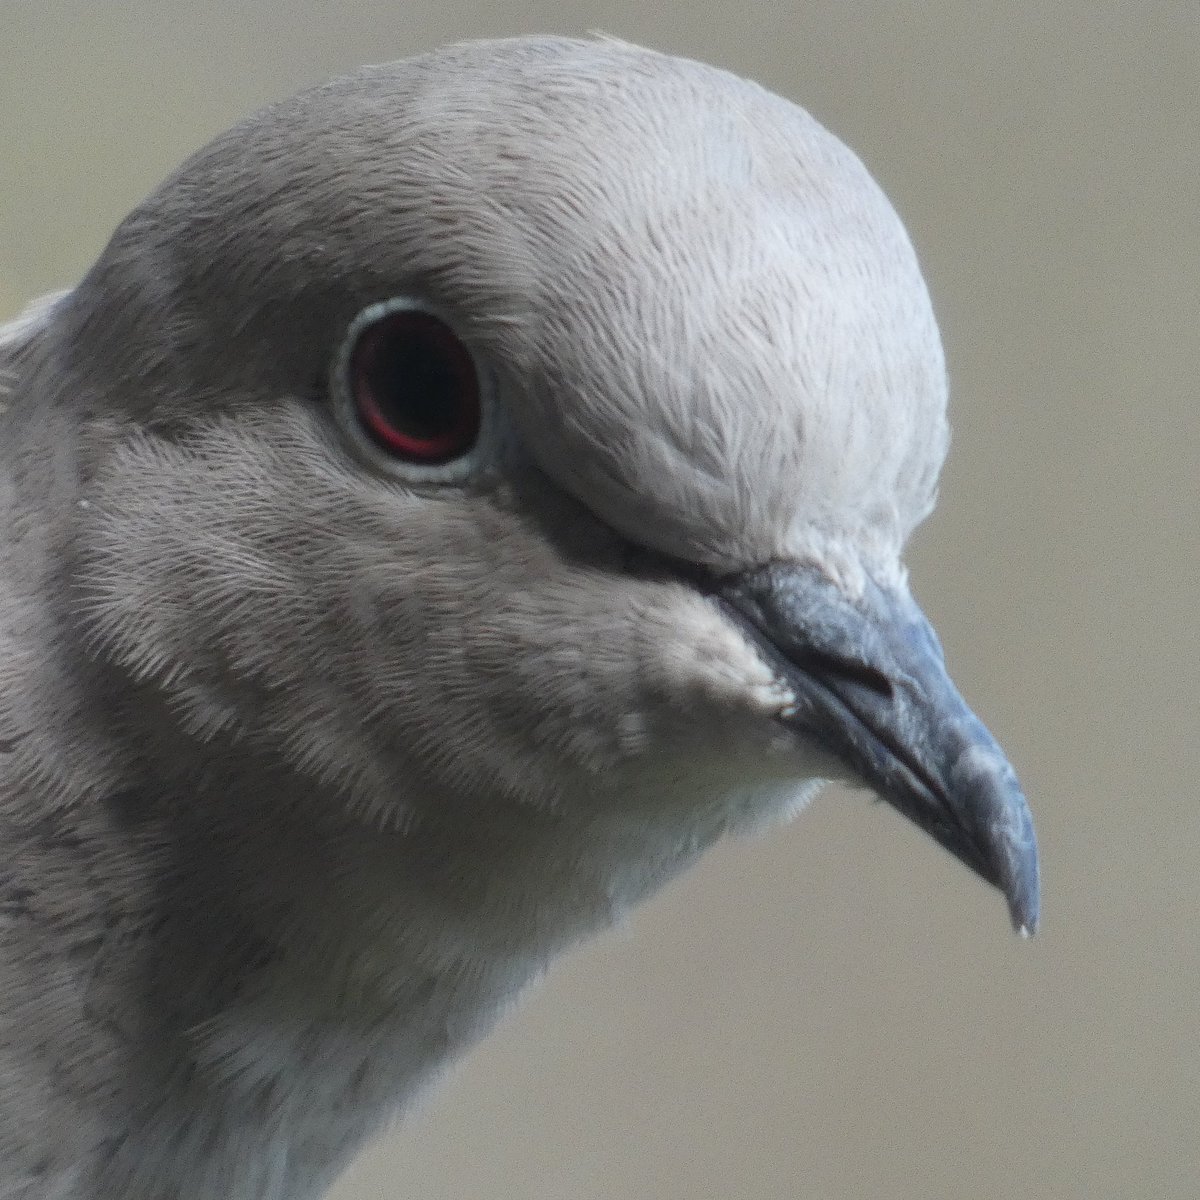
x: 704, y: 661
x: 535, y: 668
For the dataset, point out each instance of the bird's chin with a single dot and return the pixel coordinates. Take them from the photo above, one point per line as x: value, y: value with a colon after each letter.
x: 761, y: 810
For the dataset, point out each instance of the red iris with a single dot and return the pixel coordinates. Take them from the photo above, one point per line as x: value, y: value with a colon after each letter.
x: 415, y: 388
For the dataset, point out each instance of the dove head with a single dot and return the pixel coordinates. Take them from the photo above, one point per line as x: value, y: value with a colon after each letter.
x: 710, y: 405
x: 705, y: 318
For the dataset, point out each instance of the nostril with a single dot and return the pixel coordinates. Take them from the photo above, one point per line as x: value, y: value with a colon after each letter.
x: 826, y: 666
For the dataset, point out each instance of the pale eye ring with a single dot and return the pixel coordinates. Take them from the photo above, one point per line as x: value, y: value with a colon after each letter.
x: 410, y: 391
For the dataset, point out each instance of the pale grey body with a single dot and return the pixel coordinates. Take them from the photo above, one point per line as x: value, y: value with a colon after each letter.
x: 306, y: 770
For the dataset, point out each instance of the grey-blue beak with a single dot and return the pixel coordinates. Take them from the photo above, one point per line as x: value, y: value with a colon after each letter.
x: 871, y: 687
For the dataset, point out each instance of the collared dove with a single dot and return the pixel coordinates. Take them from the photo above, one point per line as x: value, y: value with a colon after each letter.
x: 455, y: 499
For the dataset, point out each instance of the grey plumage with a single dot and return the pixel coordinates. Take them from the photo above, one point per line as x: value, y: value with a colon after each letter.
x: 311, y: 759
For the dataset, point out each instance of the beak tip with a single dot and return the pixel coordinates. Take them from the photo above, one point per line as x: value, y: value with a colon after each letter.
x: 1025, y: 919
x: 1006, y: 838
x: 1021, y: 884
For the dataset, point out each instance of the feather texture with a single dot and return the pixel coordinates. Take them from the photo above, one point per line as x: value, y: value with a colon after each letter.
x: 307, y: 772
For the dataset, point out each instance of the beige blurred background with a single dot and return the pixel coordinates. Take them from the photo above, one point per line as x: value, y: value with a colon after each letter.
x: 840, y: 1010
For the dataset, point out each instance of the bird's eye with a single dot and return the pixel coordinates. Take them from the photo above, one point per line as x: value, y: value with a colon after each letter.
x: 414, y: 387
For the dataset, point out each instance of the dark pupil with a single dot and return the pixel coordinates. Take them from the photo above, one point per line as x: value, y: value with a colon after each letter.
x: 415, y: 384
